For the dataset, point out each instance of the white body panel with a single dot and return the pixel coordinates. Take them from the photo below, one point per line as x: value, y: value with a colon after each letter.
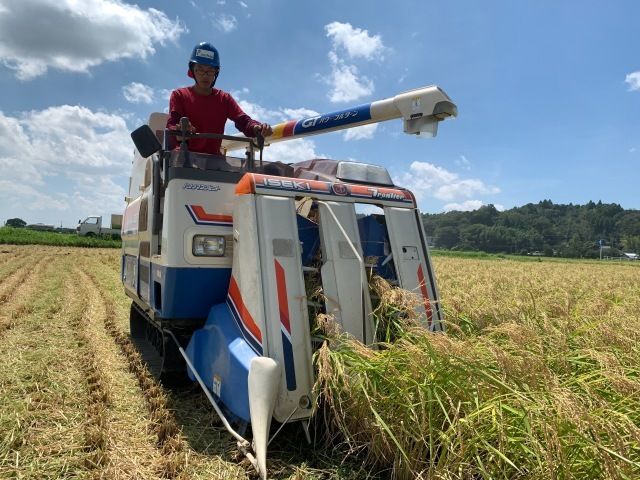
x: 188, y: 205
x: 343, y: 276
x: 411, y: 261
x: 272, y: 290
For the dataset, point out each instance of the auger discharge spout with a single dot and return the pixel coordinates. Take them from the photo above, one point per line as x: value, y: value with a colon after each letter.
x: 420, y: 109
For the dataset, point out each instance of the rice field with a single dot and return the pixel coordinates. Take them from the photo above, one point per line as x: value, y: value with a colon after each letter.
x: 537, y: 377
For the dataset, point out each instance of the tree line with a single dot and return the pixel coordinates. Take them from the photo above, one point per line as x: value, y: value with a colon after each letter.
x: 578, y: 231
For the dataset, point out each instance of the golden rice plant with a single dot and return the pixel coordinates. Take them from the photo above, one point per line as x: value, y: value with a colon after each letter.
x: 536, y: 377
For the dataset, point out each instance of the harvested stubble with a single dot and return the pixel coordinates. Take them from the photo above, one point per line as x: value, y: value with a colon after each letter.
x: 537, y: 377
x: 16, y: 291
x: 196, y: 446
x: 164, y: 426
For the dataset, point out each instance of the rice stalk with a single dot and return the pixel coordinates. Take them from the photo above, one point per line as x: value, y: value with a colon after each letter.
x: 516, y: 389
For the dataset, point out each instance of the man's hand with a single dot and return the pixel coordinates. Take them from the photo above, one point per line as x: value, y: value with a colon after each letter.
x: 263, y: 128
x: 191, y: 129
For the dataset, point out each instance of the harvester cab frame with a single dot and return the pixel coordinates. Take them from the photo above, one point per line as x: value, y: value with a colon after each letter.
x: 219, y: 256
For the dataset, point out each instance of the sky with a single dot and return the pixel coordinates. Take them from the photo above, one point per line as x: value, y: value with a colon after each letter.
x: 548, y: 93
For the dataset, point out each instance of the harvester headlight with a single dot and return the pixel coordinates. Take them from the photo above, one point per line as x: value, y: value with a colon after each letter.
x: 208, y: 246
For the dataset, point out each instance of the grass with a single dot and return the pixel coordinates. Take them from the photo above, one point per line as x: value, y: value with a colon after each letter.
x: 23, y: 236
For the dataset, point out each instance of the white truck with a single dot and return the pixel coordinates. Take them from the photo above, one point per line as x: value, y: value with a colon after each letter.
x: 92, y: 226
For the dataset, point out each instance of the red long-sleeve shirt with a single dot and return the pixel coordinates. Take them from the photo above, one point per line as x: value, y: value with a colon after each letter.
x: 207, y: 114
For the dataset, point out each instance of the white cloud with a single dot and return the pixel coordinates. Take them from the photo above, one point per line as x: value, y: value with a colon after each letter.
x: 138, y: 93
x: 165, y: 94
x: 403, y: 76
x: 298, y: 113
x: 465, y: 206
x: 425, y: 179
x: 288, y: 151
x: 67, y: 158
x: 346, y: 85
x: 257, y: 112
x: 633, y: 79
x: 355, y: 41
x: 292, y: 151
x: 69, y: 35
x: 226, y: 22
x: 361, y: 132
x: 93, y: 192
x: 243, y: 5
x: 345, y: 81
x: 463, y: 162
x: 26, y: 197
x: 468, y: 206
x: 368, y: 209
x: 281, y: 114
x: 75, y: 135
x: 463, y: 188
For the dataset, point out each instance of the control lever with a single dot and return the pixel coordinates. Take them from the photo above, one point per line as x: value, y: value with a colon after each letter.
x: 184, y: 148
x: 260, y: 140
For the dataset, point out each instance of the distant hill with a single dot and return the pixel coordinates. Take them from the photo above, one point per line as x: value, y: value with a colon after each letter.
x: 542, y: 228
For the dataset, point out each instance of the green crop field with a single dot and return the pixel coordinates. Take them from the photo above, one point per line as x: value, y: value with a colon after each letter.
x: 537, y: 377
x: 24, y: 236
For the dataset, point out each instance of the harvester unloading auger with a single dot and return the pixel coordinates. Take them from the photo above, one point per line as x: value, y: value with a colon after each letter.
x: 216, y: 251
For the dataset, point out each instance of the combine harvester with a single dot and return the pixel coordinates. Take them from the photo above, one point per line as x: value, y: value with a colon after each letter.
x: 216, y: 251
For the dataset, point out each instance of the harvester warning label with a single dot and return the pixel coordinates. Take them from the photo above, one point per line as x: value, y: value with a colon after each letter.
x: 217, y: 385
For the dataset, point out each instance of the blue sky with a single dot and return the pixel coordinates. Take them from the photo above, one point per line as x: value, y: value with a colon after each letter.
x: 548, y: 93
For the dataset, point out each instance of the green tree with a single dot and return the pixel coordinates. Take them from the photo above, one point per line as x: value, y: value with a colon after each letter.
x: 564, y: 230
x: 472, y: 237
x: 485, y: 215
x: 629, y: 223
x: 631, y: 243
x: 447, y: 237
x: 15, y: 222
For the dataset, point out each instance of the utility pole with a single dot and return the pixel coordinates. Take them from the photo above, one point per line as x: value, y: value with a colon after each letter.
x: 600, y: 242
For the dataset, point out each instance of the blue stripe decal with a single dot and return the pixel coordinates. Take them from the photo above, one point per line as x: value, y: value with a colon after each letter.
x: 289, y: 368
x: 245, y: 333
x: 192, y: 215
x: 333, y: 119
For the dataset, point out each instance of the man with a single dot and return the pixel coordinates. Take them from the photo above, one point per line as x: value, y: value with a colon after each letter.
x: 206, y: 107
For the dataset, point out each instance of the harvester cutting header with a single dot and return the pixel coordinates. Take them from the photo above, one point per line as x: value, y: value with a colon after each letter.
x: 219, y: 252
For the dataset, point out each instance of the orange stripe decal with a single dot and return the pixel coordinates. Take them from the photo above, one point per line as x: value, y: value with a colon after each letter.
x: 283, y: 301
x: 201, y: 214
x: 246, y: 317
x: 287, y: 131
x: 425, y: 294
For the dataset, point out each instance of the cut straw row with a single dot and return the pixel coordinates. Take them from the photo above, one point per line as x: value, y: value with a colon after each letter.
x: 169, y: 438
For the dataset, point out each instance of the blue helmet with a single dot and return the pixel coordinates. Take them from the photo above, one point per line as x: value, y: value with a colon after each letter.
x: 205, y: 54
